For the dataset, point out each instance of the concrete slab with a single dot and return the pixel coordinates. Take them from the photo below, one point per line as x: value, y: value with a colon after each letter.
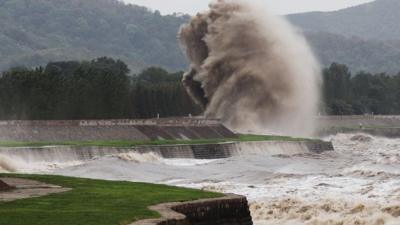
x: 25, y: 188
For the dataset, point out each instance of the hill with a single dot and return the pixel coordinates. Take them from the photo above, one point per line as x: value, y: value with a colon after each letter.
x: 35, y: 32
x: 365, y: 37
x: 359, y: 54
x: 376, y: 20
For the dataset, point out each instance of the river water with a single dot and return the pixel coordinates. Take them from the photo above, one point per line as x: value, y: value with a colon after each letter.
x: 359, y: 183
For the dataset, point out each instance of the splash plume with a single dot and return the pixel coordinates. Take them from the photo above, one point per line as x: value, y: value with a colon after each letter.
x: 251, y: 69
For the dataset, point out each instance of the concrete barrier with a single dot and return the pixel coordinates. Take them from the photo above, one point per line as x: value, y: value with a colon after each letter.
x: 103, y: 130
x: 181, y: 121
x: 204, y: 151
x: 228, y: 210
x: 355, y: 121
x: 379, y: 131
x: 385, y: 126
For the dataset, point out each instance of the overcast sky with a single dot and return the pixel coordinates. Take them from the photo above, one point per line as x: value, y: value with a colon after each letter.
x: 276, y: 6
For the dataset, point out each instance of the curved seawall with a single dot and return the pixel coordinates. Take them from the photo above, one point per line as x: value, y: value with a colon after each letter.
x: 66, y: 154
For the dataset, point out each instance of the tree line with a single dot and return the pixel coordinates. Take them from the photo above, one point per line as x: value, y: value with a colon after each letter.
x: 97, y: 89
x: 104, y: 89
x: 345, y: 93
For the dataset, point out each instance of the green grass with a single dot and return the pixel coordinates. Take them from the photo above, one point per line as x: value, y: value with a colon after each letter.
x: 241, y: 138
x: 93, y: 202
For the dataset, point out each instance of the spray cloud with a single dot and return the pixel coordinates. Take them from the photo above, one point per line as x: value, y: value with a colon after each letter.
x: 251, y: 69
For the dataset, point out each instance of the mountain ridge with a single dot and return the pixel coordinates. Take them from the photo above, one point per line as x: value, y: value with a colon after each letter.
x: 373, y: 20
x: 33, y: 33
x: 359, y: 54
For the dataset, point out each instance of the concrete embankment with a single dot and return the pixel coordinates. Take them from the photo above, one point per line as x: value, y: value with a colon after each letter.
x: 229, y: 210
x: 379, y: 131
x: 356, y: 121
x: 91, y: 130
x: 384, y: 126
x: 205, y: 151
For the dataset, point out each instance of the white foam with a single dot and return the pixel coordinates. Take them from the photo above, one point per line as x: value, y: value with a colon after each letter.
x: 187, y: 162
x: 155, y: 158
x: 10, y: 164
x: 6, y: 164
x: 362, y: 171
x: 139, y: 158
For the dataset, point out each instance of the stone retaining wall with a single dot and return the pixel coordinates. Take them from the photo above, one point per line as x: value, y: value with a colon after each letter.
x: 229, y: 210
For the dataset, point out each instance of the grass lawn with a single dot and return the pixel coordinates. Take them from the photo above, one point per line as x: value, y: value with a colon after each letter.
x: 92, y: 202
x: 241, y: 138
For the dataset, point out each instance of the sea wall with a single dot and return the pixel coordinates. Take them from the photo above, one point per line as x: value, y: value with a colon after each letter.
x: 229, y: 210
x: 385, y: 126
x: 207, y: 151
x: 356, y: 121
x: 102, y: 130
x: 183, y: 121
x: 379, y: 131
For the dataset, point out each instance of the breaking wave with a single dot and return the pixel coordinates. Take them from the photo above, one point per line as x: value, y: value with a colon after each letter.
x: 251, y: 69
x: 6, y: 165
x: 138, y: 157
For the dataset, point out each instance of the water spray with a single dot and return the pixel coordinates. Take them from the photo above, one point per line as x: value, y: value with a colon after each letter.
x: 251, y: 69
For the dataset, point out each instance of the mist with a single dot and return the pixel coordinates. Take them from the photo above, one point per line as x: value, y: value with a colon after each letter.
x: 251, y: 69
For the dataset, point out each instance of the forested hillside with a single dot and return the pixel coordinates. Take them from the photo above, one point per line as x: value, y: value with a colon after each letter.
x: 359, y: 54
x: 377, y: 20
x: 364, y: 37
x: 35, y: 32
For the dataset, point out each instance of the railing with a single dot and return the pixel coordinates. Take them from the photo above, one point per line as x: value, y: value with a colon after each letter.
x: 121, y: 122
x: 365, y: 117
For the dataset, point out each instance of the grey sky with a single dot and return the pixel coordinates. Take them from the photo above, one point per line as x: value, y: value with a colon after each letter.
x: 276, y: 6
